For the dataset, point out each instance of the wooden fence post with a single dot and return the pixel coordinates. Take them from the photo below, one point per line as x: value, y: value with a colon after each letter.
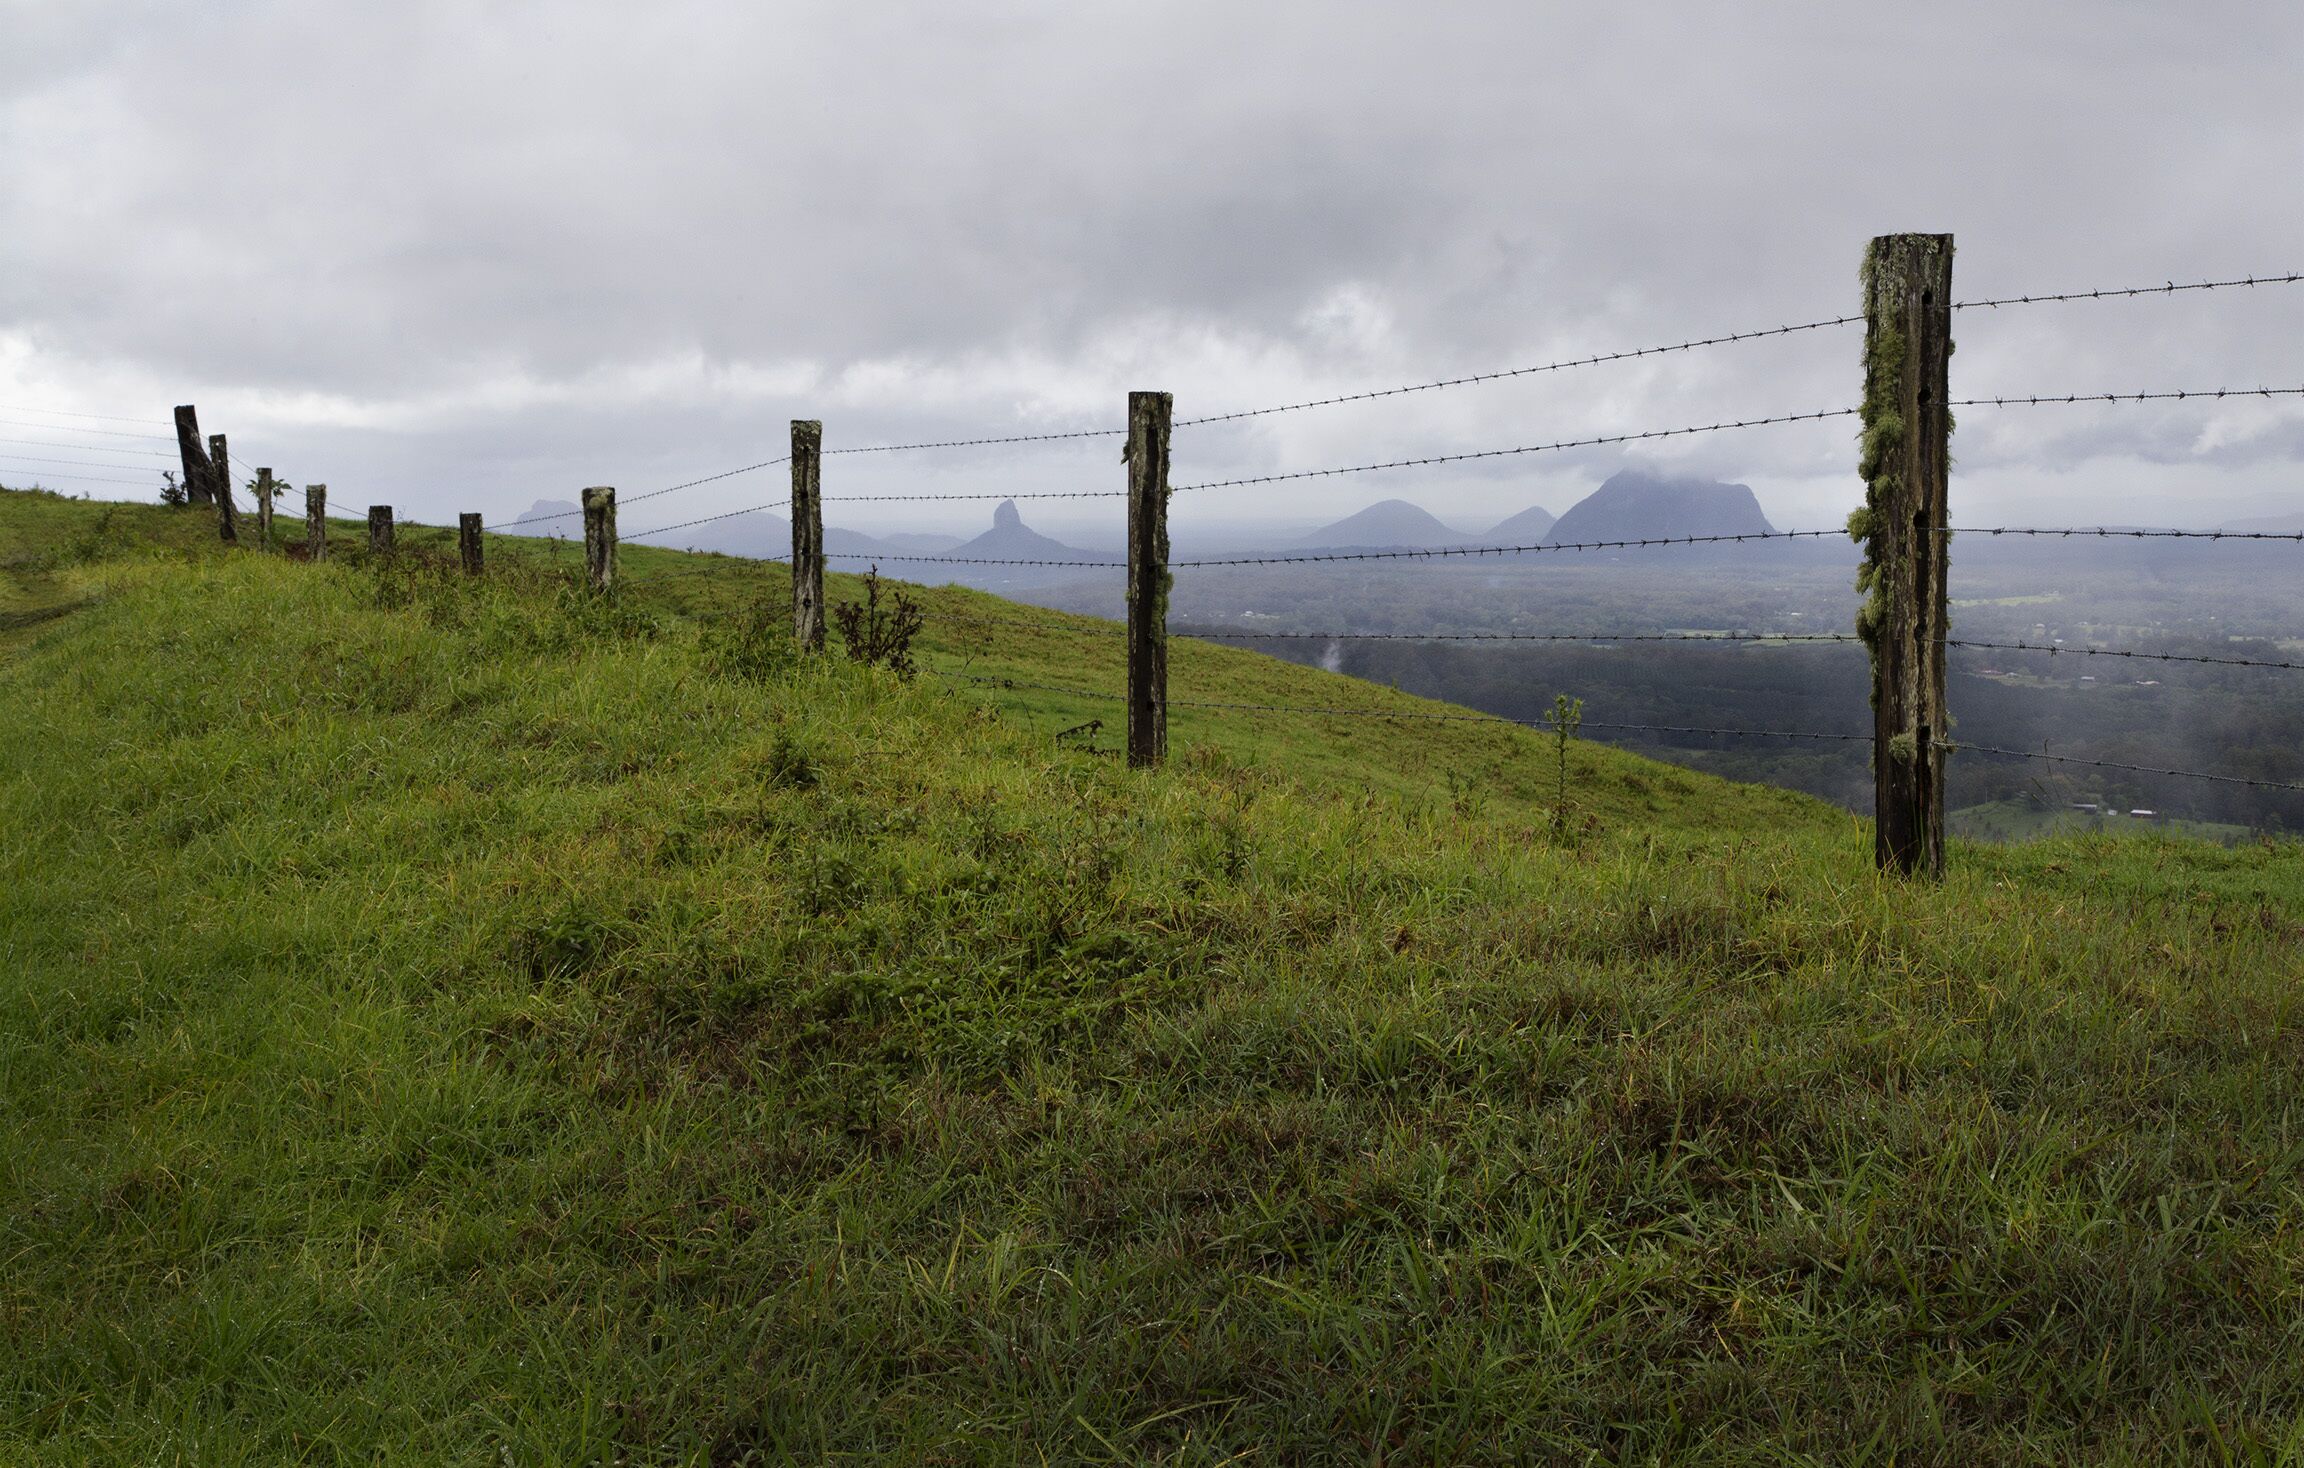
x: 468, y: 542
x: 380, y: 530
x: 600, y: 536
x: 316, y: 522
x: 264, y: 488
x: 220, y: 468
x: 195, y: 458
x: 1147, y: 456
x: 1906, y: 464
x: 807, y: 533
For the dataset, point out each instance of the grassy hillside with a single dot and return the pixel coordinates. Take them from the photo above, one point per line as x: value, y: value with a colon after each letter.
x: 453, y: 1023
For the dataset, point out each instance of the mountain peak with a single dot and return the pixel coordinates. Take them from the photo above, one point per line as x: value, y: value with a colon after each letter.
x: 1637, y: 504
x: 1007, y: 516
x: 1387, y: 523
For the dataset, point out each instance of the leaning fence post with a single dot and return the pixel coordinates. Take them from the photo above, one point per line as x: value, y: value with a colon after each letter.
x: 807, y: 533
x: 380, y: 530
x: 1147, y: 456
x: 220, y: 462
x: 600, y: 537
x: 264, y: 508
x: 195, y: 458
x: 1906, y: 465
x: 316, y: 522
x: 468, y: 541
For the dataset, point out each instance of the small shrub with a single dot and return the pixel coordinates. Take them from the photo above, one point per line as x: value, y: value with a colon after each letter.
x: 880, y: 637
x: 1564, y: 718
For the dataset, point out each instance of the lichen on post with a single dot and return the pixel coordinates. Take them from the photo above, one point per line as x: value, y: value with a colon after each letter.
x: 1903, y: 525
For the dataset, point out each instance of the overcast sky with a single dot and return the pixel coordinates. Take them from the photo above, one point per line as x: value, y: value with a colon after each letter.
x: 464, y: 254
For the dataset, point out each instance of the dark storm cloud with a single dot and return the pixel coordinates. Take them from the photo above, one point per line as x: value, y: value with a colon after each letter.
x: 499, y: 249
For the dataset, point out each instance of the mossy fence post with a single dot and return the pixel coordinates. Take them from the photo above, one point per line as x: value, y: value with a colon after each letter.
x: 380, y: 530
x: 1147, y: 457
x: 196, y: 487
x: 807, y: 533
x: 600, y: 537
x: 1907, y: 455
x: 316, y: 522
x: 264, y: 488
x: 220, y: 469
x: 468, y: 542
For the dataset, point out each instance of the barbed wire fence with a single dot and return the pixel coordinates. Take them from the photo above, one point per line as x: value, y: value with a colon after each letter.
x: 124, y: 448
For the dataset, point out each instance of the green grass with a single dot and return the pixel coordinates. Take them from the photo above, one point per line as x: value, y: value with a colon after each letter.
x: 450, y: 1023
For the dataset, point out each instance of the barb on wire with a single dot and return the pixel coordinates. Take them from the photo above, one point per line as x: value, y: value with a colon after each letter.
x: 1442, y: 552
x: 2066, y: 532
x: 2112, y: 652
x: 707, y: 519
x: 2171, y: 395
x: 2105, y: 764
x: 92, y: 432
x: 969, y: 443
x: 2167, y: 289
x: 1478, y: 377
x: 1534, y: 448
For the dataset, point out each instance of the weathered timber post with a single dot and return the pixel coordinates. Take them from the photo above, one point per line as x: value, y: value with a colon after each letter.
x: 316, y: 522
x: 600, y: 537
x: 807, y: 533
x: 380, y: 530
x: 468, y: 542
x: 196, y: 490
x: 221, y: 469
x: 1907, y: 455
x: 264, y: 488
x: 1147, y: 457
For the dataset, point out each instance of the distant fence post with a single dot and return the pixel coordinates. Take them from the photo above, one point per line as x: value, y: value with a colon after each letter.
x: 316, y: 521
x: 264, y: 508
x: 1906, y: 465
x: 1147, y: 456
x: 196, y: 490
x: 600, y: 536
x: 220, y: 469
x: 468, y: 542
x: 380, y: 530
x: 807, y: 533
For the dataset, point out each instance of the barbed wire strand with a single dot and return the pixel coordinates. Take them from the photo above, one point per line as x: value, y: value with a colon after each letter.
x: 1408, y: 714
x: 969, y: 443
x: 99, y: 417
x: 2105, y: 764
x: 37, y: 479
x: 1509, y: 372
x: 651, y: 494
x: 707, y: 519
x: 2066, y: 532
x: 2167, y: 395
x: 1108, y: 629
x: 2169, y: 288
x: 1534, y: 448
x: 91, y: 432
x: 85, y: 448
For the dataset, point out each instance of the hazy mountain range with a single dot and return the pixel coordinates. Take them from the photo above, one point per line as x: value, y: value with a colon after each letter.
x: 1633, y: 504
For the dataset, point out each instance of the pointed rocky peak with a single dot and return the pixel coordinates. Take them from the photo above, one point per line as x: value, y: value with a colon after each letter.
x: 1007, y: 516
